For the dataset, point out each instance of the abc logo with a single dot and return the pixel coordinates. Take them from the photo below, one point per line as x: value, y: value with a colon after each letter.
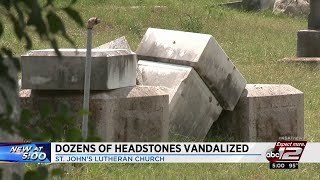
x: 272, y: 155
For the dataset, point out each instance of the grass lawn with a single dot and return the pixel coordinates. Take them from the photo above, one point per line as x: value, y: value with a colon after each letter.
x: 254, y: 41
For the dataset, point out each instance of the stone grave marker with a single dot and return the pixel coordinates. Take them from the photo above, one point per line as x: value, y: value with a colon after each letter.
x: 309, y: 40
x: 192, y: 107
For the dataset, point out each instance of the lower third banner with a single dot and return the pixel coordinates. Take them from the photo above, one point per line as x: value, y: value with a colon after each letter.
x: 278, y: 154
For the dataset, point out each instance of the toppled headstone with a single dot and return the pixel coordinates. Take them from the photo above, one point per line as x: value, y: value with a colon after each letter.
x: 111, y: 69
x: 200, y: 51
x: 192, y: 108
x: 131, y: 114
x: 120, y: 43
x: 265, y: 113
x: 292, y: 7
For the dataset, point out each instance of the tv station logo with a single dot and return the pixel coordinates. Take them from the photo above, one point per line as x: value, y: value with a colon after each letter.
x: 285, y: 154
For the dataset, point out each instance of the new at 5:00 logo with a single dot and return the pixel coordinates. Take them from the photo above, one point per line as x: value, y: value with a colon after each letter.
x: 286, y: 151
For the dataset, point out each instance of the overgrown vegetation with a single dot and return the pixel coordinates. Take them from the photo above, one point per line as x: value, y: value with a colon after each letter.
x: 254, y: 41
x: 29, y: 20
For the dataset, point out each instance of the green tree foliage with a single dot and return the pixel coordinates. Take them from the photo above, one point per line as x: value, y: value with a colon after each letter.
x: 33, y: 19
x: 30, y: 19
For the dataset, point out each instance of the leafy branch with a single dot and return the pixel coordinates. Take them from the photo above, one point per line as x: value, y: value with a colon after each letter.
x: 30, y: 19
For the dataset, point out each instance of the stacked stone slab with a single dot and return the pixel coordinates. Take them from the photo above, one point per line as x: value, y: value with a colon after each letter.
x: 200, y: 51
x: 120, y: 110
x: 265, y: 112
x: 192, y: 107
x: 111, y: 69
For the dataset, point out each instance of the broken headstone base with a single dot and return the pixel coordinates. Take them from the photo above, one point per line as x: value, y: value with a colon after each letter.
x: 131, y: 114
x: 264, y: 113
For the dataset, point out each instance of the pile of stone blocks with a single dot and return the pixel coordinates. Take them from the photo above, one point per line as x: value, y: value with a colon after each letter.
x: 202, y: 78
x: 177, y: 84
x: 121, y: 111
x: 207, y: 90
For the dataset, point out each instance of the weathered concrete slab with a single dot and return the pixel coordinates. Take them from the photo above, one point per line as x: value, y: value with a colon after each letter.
x: 111, y: 69
x: 265, y: 113
x: 200, y: 51
x: 308, y: 43
x: 120, y: 43
x: 131, y: 114
x: 193, y: 108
